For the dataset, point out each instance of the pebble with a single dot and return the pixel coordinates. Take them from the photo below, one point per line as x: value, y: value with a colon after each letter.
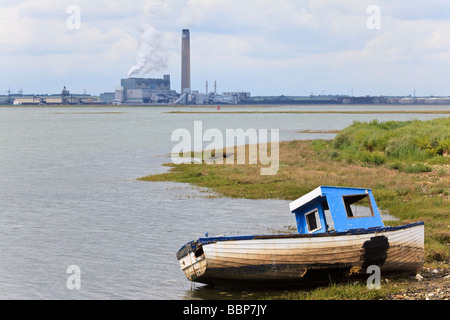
x: 431, y: 284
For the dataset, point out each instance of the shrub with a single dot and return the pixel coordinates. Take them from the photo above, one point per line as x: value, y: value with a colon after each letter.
x: 343, y: 140
x: 403, y: 148
x: 416, y: 168
x: 394, y: 141
x: 372, y: 158
x: 395, y: 165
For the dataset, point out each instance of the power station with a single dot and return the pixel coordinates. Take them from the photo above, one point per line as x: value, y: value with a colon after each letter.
x: 143, y: 91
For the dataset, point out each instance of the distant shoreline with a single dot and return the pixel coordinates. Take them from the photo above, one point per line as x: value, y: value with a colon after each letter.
x: 254, y: 106
x: 317, y: 112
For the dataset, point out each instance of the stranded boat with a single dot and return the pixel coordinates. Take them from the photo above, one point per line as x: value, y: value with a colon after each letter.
x: 340, y: 232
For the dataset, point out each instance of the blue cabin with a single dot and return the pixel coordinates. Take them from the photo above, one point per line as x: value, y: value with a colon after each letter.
x: 336, y: 209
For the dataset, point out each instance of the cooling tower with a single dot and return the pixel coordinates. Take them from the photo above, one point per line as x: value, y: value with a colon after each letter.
x: 185, y: 61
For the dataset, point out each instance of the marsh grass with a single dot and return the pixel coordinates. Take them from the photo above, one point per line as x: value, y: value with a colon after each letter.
x: 412, y: 143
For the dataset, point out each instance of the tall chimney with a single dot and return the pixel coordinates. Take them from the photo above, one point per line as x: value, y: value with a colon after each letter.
x: 185, y: 61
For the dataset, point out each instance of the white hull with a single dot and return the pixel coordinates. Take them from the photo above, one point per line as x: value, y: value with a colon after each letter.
x: 292, y: 258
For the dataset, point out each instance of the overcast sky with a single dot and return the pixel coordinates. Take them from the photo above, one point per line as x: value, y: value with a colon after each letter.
x: 266, y: 47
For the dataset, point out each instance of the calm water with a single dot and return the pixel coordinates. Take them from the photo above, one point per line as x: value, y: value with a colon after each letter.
x: 69, y: 196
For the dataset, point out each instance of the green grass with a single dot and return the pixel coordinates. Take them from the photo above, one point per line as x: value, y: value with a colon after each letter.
x: 396, y: 143
x: 341, y: 291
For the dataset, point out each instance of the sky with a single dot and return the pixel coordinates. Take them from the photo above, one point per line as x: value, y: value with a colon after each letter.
x: 266, y: 47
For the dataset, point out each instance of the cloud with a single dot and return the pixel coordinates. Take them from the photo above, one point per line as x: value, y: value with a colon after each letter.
x: 33, y: 29
x: 417, y: 9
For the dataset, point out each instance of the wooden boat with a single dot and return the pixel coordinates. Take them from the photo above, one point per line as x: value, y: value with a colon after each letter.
x: 340, y: 232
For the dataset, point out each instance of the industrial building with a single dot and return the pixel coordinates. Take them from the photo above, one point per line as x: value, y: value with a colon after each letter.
x: 141, y: 91
x: 65, y: 98
x: 199, y: 98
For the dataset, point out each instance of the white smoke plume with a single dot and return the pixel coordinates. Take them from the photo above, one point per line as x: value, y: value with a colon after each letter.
x: 151, y: 55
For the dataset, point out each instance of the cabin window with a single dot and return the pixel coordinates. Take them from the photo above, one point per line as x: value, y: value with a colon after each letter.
x: 358, y: 206
x: 313, y: 221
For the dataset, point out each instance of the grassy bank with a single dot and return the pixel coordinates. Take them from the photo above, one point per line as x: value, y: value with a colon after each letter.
x: 372, y: 155
x: 411, y: 143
